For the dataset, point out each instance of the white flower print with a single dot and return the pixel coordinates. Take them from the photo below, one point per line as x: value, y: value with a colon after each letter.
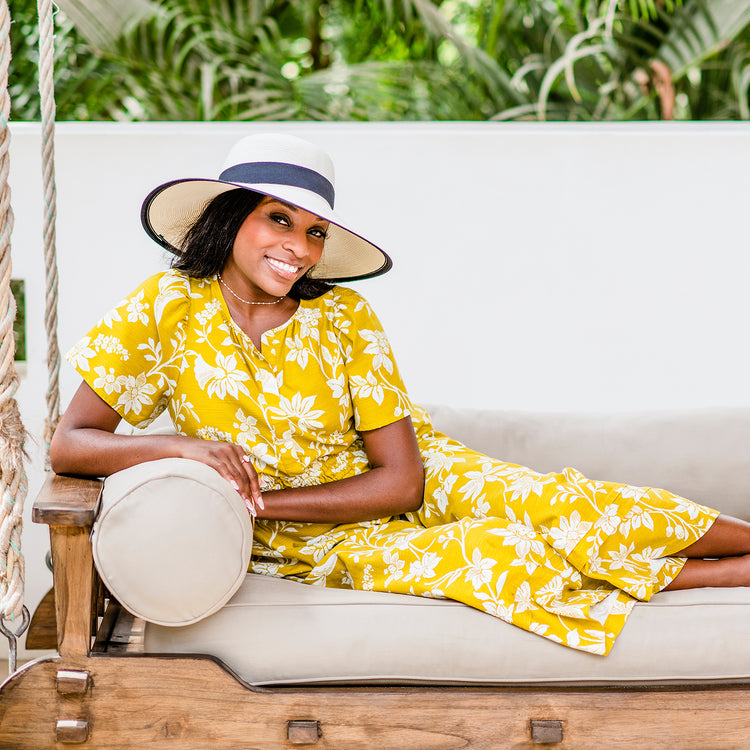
x: 368, y: 582
x: 171, y: 287
x: 635, y: 492
x: 265, y: 568
x: 523, y: 598
x: 113, y: 316
x: 481, y: 508
x: 523, y: 485
x: 136, y: 392
x: 80, y: 354
x: 111, y: 345
x: 319, y: 547
x: 338, y: 389
x: 619, y: 559
x: 320, y: 573
x: 609, y: 520
x: 297, y: 351
x: 570, y: 532
x: 403, y: 540
x: 107, y: 380
x: 247, y: 427
x: 522, y: 537
x: 395, y: 566
x: 226, y: 378
x: 211, y: 308
x: 367, y: 387
x: 213, y: 433
x: 309, y: 322
x: 379, y: 348
x: 136, y: 309
x: 480, y: 571
x: 552, y: 590
x: 423, y: 567
x: 638, y: 516
x: 300, y: 409
x: 436, y: 461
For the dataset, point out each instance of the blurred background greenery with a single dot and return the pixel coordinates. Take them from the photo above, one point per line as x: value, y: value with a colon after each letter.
x: 576, y: 60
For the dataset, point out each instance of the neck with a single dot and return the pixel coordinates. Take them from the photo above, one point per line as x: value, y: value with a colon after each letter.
x: 246, y: 301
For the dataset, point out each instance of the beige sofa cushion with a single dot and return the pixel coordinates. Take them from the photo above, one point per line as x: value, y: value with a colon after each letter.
x: 172, y: 541
x: 275, y: 632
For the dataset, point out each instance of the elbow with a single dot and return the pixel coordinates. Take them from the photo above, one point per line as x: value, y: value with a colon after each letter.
x: 61, y: 457
x: 414, y: 489
x: 57, y: 455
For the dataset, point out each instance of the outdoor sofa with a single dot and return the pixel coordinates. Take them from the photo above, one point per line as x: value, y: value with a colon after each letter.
x: 268, y: 663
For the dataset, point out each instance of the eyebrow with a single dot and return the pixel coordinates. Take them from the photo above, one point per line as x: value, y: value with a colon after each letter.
x: 291, y: 207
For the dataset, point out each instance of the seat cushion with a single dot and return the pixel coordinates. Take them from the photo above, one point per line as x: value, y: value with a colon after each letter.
x: 276, y: 632
x: 172, y: 541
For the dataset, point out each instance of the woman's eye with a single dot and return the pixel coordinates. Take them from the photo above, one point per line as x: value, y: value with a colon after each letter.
x: 280, y: 219
x: 321, y: 234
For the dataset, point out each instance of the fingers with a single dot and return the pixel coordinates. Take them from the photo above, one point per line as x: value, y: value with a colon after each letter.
x: 231, y: 461
x: 252, y: 476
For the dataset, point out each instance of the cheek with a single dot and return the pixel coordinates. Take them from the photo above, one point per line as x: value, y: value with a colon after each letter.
x: 315, y: 251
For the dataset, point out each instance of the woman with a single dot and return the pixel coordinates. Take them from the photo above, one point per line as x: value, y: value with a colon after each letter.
x: 285, y: 384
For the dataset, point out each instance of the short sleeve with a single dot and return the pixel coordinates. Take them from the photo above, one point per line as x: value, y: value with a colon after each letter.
x: 377, y: 391
x: 133, y: 356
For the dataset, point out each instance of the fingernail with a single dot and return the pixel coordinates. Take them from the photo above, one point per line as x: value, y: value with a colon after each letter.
x: 234, y: 484
x: 259, y: 502
x: 250, y: 507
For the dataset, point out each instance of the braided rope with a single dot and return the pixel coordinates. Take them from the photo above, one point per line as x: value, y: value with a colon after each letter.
x: 47, y: 94
x: 13, y: 483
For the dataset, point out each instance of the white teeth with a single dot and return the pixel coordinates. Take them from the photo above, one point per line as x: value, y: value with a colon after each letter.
x: 286, y: 267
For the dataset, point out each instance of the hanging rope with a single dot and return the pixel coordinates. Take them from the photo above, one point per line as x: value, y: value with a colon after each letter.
x: 13, y: 483
x: 47, y: 93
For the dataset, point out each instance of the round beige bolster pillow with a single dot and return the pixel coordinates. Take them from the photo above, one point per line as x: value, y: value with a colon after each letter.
x: 172, y: 541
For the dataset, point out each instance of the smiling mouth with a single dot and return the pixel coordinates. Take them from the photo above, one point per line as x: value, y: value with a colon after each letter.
x: 287, y: 270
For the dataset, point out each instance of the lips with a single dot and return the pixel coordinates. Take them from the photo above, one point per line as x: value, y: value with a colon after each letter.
x: 286, y: 270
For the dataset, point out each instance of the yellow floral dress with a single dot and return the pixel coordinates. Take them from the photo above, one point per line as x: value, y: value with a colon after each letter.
x: 557, y: 554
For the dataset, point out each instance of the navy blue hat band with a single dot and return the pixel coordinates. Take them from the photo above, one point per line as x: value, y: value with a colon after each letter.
x: 279, y: 173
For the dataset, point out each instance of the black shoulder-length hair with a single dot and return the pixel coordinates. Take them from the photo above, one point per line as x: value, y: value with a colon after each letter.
x: 208, y: 243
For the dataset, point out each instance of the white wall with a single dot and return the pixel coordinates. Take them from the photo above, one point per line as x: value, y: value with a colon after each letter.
x: 536, y: 266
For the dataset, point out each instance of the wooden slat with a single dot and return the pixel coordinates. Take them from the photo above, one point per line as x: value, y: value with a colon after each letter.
x: 106, y: 626
x: 67, y: 501
x: 184, y: 703
x: 74, y: 588
x: 42, y: 633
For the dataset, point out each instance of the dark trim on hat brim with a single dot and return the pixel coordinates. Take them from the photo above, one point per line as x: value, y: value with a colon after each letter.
x: 160, y: 240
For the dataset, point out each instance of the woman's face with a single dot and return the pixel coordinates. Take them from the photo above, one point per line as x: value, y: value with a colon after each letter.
x: 275, y: 246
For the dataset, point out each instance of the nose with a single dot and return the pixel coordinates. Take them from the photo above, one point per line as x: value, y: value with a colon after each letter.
x: 296, y: 242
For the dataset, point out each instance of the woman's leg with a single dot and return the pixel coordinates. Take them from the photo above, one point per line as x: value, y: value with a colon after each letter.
x: 729, y: 541
x: 727, y: 537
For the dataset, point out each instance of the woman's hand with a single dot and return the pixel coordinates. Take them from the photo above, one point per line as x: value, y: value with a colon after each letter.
x: 231, y: 462
x: 85, y: 443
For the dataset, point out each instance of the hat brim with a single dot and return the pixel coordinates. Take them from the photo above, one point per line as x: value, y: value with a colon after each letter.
x: 171, y: 209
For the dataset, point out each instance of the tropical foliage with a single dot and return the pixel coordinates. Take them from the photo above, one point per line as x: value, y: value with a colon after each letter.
x: 390, y: 59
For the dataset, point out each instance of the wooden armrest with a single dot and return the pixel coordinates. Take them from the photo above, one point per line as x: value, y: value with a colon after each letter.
x: 67, y: 501
x: 68, y: 505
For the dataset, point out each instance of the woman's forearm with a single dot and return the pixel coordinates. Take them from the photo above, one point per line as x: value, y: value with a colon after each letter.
x: 95, y: 452
x: 393, y: 485
x: 376, y: 493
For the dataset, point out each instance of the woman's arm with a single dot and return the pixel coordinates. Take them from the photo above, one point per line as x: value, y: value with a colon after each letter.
x: 394, y: 484
x: 85, y: 443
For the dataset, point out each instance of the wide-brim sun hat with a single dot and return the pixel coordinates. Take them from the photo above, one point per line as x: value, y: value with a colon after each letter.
x: 280, y: 166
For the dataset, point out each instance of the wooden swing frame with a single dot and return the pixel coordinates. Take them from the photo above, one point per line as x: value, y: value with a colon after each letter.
x: 102, y: 691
